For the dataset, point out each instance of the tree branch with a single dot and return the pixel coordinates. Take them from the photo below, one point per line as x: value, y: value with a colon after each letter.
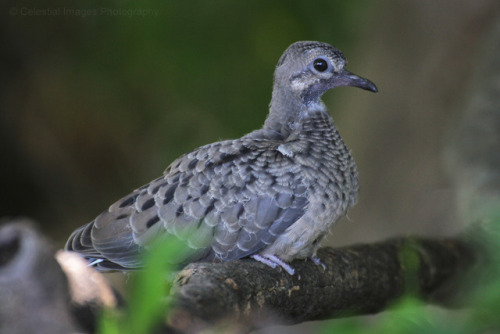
x: 360, y: 279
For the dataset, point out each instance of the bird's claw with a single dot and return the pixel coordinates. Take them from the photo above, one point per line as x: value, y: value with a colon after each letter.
x: 94, y: 262
x: 317, y: 261
x: 273, y: 261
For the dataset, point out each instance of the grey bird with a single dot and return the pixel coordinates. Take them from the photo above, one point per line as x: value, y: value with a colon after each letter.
x: 270, y: 195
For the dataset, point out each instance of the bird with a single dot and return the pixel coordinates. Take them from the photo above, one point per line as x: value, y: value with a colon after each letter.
x: 271, y: 195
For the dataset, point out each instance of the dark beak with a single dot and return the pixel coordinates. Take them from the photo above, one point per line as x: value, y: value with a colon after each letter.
x: 346, y: 78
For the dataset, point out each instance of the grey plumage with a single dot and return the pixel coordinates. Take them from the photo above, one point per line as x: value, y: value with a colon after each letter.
x: 271, y: 194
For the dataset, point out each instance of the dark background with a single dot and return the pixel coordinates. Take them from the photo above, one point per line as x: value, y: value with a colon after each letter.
x: 94, y: 104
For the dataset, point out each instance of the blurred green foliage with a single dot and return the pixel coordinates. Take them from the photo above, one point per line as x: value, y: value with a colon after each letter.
x: 149, y: 292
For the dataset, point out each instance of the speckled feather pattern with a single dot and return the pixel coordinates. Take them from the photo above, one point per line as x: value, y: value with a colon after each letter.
x: 274, y: 192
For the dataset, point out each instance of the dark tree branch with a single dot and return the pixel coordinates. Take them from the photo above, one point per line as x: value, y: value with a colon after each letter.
x: 359, y: 279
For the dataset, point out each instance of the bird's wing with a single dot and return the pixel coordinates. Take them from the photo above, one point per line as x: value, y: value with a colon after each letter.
x: 226, y: 200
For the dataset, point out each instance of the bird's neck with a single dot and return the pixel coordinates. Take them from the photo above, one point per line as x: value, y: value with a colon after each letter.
x: 287, y: 109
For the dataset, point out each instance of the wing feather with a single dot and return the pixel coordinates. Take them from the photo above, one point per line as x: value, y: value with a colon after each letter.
x: 226, y: 200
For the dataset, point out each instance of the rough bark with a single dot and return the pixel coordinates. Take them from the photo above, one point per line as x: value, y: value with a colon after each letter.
x: 247, y: 294
x: 360, y: 279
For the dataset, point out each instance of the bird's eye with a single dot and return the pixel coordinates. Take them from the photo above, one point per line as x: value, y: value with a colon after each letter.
x: 320, y: 65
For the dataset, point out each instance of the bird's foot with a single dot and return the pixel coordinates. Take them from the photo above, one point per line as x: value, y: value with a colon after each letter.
x: 317, y: 261
x: 274, y: 261
x: 95, y: 262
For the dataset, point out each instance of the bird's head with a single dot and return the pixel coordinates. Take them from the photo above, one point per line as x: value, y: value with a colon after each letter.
x: 309, y: 69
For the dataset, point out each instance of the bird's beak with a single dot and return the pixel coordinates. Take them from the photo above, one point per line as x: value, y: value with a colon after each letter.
x: 346, y: 78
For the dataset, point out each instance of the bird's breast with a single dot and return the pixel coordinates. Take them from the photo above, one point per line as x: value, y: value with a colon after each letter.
x: 327, y: 166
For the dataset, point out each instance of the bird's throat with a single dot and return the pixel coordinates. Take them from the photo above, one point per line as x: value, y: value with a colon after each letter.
x: 287, y: 111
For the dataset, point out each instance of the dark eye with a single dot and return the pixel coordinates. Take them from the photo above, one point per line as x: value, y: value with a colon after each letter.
x: 320, y: 65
